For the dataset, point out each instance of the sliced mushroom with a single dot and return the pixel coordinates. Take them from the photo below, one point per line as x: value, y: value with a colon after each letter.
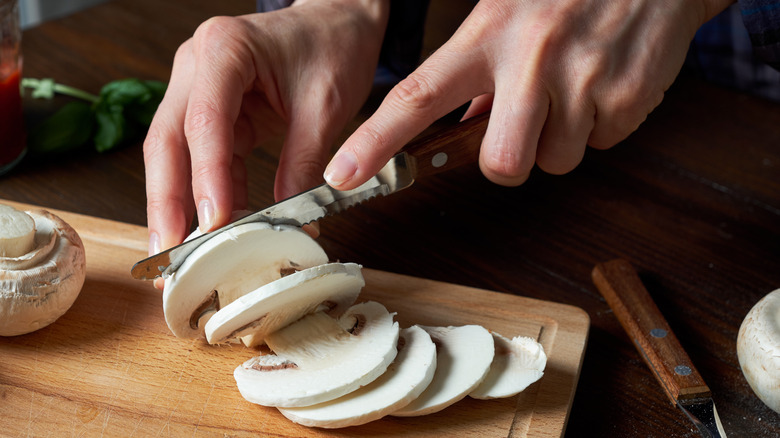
x: 518, y: 363
x: 408, y: 375
x: 228, y: 266
x: 463, y: 358
x: 332, y: 287
x: 42, y: 269
x: 320, y: 358
x: 758, y: 349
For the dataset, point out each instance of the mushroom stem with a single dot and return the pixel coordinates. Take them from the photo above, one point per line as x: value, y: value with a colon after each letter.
x: 17, y: 232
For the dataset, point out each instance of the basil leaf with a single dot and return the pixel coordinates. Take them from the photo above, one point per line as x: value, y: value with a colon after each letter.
x: 65, y: 130
x: 110, y: 126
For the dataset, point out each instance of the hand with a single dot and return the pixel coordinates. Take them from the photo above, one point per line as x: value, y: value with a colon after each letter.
x: 559, y: 75
x: 238, y: 81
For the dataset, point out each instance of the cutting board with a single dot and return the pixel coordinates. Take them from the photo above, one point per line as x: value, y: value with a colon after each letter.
x: 111, y: 367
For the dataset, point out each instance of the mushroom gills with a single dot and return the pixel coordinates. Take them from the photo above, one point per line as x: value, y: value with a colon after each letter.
x: 517, y: 363
x: 319, y: 358
x: 403, y: 381
x: 758, y: 349
x: 233, y: 263
x: 331, y: 287
x: 463, y: 358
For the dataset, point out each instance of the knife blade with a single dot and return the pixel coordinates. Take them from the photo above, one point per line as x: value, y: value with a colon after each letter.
x: 443, y: 150
x: 620, y: 285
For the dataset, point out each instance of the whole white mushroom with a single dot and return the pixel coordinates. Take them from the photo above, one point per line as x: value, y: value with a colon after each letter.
x: 42, y: 269
x: 758, y: 349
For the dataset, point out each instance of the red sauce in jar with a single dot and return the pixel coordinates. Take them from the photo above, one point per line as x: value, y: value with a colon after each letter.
x: 12, y: 134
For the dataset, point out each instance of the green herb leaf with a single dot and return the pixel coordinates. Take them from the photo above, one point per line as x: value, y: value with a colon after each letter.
x: 120, y: 113
x: 124, y: 109
x: 65, y: 130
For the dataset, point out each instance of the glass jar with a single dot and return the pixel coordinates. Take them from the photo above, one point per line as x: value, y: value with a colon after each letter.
x: 12, y: 134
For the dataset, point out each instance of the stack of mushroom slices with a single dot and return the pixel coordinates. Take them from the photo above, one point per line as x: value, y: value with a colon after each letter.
x: 326, y: 361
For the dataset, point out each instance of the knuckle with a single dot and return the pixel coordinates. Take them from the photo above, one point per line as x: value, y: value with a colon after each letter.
x: 417, y: 93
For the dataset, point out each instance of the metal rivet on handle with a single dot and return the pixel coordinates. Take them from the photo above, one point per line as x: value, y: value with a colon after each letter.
x: 658, y: 333
x: 439, y: 159
x: 683, y: 370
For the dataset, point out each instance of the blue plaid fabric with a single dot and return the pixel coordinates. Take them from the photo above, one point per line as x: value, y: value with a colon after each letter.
x: 724, y: 52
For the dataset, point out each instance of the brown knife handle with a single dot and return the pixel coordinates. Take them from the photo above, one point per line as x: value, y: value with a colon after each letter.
x: 450, y: 147
x: 620, y: 285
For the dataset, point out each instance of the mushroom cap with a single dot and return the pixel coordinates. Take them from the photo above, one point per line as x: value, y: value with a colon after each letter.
x: 518, y: 363
x: 272, y: 306
x: 758, y: 349
x: 38, y: 287
x: 228, y: 266
x: 403, y: 381
x: 463, y: 358
x: 319, y: 358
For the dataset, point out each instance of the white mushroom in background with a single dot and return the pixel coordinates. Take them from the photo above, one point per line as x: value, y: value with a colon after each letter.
x: 518, y: 363
x: 230, y: 265
x: 409, y: 374
x: 319, y: 358
x: 42, y: 269
x: 331, y: 287
x: 463, y: 358
x: 758, y: 349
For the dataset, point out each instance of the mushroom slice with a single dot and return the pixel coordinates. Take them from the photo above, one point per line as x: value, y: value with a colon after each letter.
x: 228, y: 266
x: 405, y: 378
x: 758, y: 349
x: 320, y: 358
x: 42, y: 274
x: 518, y: 363
x: 332, y: 287
x: 463, y: 358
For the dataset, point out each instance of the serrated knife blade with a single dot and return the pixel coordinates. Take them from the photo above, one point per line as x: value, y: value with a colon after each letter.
x: 652, y: 336
x: 441, y: 151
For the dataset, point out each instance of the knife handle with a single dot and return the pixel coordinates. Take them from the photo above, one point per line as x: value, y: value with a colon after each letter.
x: 450, y: 147
x: 620, y: 285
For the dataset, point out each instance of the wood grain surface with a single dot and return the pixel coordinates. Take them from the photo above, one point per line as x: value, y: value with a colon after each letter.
x: 110, y: 366
x: 691, y: 199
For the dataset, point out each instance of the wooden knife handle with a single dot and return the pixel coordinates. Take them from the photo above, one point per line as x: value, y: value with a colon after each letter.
x: 620, y: 285
x: 450, y: 147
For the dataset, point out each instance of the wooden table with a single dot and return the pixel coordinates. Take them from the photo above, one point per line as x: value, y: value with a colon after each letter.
x: 692, y: 199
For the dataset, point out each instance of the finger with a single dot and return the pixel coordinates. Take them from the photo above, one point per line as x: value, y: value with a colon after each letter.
x: 620, y: 113
x: 169, y: 198
x: 565, y: 134
x: 509, y: 148
x: 444, y: 82
x: 478, y: 105
x: 223, y: 73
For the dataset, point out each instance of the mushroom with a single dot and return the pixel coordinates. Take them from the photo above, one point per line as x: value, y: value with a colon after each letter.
x: 42, y: 269
x: 463, y: 358
x: 409, y: 374
x: 331, y: 287
x: 758, y: 349
x: 228, y: 266
x: 319, y: 358
x: 517, y: 363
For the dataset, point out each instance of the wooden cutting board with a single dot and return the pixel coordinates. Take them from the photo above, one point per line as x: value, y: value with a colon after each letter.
x: 111, y: 367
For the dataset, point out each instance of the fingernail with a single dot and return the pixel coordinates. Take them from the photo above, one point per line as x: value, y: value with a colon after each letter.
x: 154, y: 243
x: 205, y: 215
x: 341, y: 169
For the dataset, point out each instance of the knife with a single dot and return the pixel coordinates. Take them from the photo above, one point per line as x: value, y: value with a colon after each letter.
x: 620, y: 285
x: 443, y: 150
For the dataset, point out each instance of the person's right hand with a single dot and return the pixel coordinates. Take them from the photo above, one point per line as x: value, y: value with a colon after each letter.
x: 303, y: 70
